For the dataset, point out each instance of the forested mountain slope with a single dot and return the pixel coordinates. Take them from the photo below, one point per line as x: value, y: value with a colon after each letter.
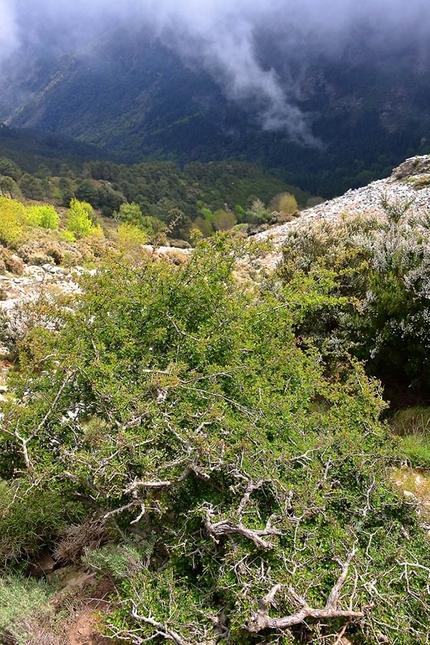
x: 131, y: 95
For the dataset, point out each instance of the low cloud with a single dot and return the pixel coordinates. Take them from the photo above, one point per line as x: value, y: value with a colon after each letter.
x: 224, y: 36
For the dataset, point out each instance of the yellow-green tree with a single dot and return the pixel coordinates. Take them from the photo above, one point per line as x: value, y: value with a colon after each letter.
x: 80, y: 220
x: 223, y: 221
x: 284, y: 203
x: 44, y: 216
x: 12, y: 220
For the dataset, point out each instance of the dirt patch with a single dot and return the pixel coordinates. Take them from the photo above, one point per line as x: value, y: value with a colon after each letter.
x: 415, y: 484
x: 84, y: 629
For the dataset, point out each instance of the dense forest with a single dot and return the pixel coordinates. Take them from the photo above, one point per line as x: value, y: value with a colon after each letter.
x: 154, y: 195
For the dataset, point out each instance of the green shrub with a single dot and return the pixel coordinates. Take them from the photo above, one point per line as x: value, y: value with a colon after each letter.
x: 23, y: 604
x: 413, y: 425
x: 38, y: 516
x: 130, y: 235
x: 285, y: 203
x: 44, y: 216
x: 383, y: 268
x: 257, y: 484
x: 129, y: 213
x: 12, y: 219
x: 411, y: 421
x: 416, y: 449
x: 68, y: 236
x: 80, y: 220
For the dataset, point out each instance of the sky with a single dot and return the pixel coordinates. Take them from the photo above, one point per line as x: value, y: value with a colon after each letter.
x: 223, y: 36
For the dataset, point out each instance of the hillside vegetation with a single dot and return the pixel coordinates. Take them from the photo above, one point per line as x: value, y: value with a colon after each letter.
x: 156, y: 195
x: 202, y: 436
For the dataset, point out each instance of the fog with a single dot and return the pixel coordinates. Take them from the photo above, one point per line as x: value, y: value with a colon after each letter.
x: 224, y: 37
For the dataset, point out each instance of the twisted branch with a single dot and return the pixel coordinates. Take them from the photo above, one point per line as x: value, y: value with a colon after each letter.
x: 261, y: 619
x: 225, y: 527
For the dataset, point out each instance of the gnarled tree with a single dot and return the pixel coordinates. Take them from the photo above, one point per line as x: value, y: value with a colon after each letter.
x: 248, y: 492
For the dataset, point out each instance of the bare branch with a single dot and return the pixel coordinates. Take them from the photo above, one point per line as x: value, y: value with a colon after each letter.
x: 224, y: 527
x: 333, y: 598
x: 162, y: 630
x: 249, y: 490
x: 24, y: 442
x: 148, y: 484
x: 261, y: 619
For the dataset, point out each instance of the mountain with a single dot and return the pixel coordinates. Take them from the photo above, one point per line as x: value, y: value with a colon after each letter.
x: 31, y: 149
x: 130, y: 95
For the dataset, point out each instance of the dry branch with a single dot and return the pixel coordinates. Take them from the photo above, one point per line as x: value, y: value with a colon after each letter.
x: 261, y: 619
x: 224, y: 527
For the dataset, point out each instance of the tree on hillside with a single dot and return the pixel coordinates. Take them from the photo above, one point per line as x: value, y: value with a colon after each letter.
x: 31, y: 187
x: 81, y: 221
x: 284, y: 203
x: 9, y: 168
x: 87, y: 192
x: 241, y: 495
x: 223, y: 221
x: 9, y: 187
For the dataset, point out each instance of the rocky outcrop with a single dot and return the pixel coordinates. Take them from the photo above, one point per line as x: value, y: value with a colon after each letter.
x: 407, y: 184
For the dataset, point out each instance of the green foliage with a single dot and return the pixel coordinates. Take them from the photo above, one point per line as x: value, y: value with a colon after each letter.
x: 31, y: 520
x: 223, y: 221
x: 257, y: 214
x: 284, y: 203
x: 416, y: 449
x: 414, y: 420
x: 131, y: 235
x: 204, y: 226
x: 153, y: 190
x: 395, y: 211
x: 68, y: 236
x: 9, y: 168
x: 178, y: 224
x: 287, y: 204
x: 12, y: 219
x: 413, y: 425
x: 130, y: 213
x: 188, y: 412
x: 87, y: 192
x: 384, y: 267
x: 32, y: 187
x: 44, y: 216
x: 9, y: 187
x: 80, y: 220
x: 22, y: 603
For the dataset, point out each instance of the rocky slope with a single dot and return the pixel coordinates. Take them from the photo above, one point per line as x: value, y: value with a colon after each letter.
x: 408, y: 184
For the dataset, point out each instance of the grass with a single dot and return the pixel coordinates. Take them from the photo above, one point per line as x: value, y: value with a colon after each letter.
x: 23, y: 603
x: 413, y: 426
x: 416, y: 449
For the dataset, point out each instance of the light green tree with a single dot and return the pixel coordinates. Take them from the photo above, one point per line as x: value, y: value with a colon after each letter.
x: 223, y: 220
x: 79, y: 220
x: 44, y: 216
x: 129, y: 213
x: 12, y: 221
x: 287, y: 204
x: 284, y: 203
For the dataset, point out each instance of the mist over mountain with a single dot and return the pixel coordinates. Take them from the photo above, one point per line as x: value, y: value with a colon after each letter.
x: 307, y: 87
